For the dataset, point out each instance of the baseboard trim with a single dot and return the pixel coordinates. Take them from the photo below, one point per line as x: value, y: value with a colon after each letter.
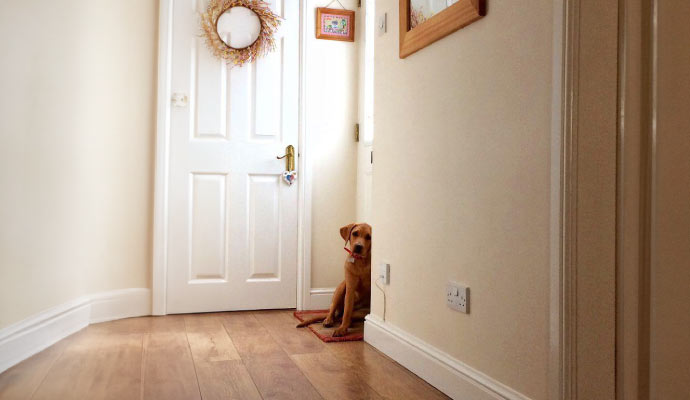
x: 28, y: 337
x: 125, y: 303
x: 320, y: 298
x: 447, y: 374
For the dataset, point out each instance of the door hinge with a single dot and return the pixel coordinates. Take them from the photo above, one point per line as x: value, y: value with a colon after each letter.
x: 356, y: 132
x: 371, y: 159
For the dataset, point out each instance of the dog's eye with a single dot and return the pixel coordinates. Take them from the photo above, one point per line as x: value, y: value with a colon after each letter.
x: 368, y: 237
x: 355, y: 234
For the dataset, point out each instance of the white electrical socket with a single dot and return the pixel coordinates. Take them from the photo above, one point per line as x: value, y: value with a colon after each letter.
x: 458, y: 297
x: 385, y: 273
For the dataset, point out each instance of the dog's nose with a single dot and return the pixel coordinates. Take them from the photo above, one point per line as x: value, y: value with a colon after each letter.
x: 358, y: 248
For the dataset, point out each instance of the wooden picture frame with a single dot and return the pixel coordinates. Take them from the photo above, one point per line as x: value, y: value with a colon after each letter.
x: 440, y: 25
x: 329, y: 24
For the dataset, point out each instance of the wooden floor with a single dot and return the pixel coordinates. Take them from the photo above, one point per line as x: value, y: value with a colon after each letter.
x: 242, y: 355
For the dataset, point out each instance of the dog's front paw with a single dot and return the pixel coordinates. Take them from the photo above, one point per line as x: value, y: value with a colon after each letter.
x: 340, y: 332
x: 328, y: 322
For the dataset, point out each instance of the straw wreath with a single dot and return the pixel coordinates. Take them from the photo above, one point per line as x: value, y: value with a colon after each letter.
x: 238, y: 57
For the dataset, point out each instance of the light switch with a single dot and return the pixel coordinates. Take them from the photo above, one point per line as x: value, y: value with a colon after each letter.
x: 381, y: 24
x: 179, y: 99
x: 385, y: 273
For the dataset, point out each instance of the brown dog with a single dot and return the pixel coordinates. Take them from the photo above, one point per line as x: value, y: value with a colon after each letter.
x: 355, y: 291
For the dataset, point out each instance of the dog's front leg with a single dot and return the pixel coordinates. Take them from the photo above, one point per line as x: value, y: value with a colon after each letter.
x: 338, y: 298
x: 347, y: 311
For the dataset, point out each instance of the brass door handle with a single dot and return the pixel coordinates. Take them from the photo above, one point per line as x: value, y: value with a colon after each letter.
x: 289, y: 158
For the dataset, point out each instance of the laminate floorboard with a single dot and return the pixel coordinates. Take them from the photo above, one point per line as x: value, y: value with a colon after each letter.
x: 233, y: 355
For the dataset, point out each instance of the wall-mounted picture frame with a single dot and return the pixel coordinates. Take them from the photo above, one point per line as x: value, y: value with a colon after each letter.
x: 423, y: 22
x: 335, y: 24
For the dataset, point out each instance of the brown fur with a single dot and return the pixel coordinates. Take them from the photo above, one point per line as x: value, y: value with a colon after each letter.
x: 355, y: 291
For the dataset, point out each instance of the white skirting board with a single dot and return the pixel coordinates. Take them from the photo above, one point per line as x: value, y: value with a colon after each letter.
x: 26, y: 338
x: 320, y: 299
x: 447, y: 374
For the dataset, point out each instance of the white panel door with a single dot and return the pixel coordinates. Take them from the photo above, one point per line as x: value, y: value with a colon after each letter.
x: 232, y: 226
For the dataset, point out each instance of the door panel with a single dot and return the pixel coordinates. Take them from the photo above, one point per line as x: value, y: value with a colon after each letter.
x: 208, y: 227
x: 232, y: 226
x: 210, y: 92
x: 268, y: 104
x: 264, y: 226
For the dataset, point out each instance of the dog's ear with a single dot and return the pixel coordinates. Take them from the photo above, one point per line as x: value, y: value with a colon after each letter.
x: 345, y: 231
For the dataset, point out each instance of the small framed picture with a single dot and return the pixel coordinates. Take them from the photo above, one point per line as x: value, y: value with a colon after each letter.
x: 335, y: 24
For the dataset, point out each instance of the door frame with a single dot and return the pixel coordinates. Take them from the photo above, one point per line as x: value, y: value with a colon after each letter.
x: 584, y: 200
x: 162, y: 159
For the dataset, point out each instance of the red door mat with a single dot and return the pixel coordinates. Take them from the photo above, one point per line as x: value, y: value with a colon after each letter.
x: 354, y: 333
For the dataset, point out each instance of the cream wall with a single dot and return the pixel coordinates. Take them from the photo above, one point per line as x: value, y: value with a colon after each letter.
x: 332, y: 108
x: 76, y: 149
x: 77, y: 125
x: 461, y: 188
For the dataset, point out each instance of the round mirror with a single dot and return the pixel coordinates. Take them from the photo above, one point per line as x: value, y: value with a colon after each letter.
x: 238, y: 27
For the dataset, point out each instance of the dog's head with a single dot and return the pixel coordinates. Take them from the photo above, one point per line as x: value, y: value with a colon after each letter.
x: 359, y: 238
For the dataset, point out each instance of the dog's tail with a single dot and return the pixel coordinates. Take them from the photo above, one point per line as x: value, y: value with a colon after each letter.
x: 317, y: 318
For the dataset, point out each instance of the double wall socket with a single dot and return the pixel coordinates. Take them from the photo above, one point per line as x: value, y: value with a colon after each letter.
x: 458, y: 297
